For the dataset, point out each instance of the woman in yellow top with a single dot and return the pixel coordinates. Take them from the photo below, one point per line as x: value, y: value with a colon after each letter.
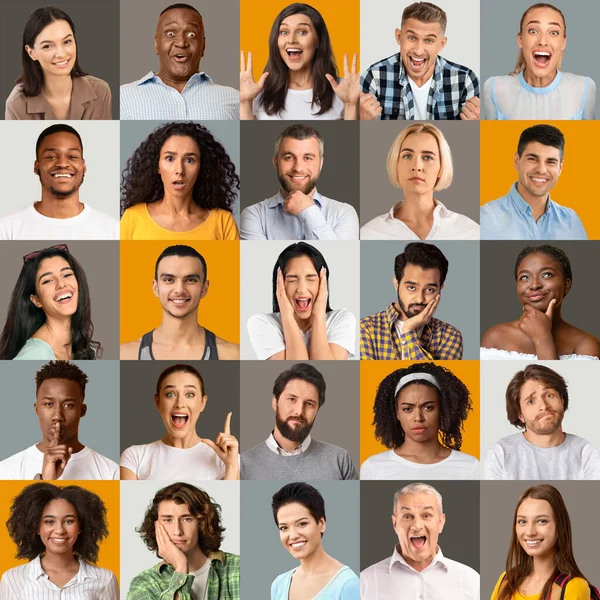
x: 541, y: 550
x: 180, y: 184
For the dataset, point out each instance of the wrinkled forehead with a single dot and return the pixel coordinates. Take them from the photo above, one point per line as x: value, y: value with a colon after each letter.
x: 181, y: 17
x: 418, y: 502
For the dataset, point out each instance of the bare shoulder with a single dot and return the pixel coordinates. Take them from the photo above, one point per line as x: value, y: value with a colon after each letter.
x: 129, y: 350
x: 227, y: 350
x: 585, y: 343
x: 496, y: 336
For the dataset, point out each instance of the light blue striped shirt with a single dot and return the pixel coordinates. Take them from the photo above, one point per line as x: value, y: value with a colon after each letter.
x: 511, y: 218
x: 201, y: 99
x: 327, y: 220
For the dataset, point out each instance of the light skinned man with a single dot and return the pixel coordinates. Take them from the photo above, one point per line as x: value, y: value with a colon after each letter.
x: 290, y: 452
x: 417, y: 83
x: 536, y: 400
x: 527, y: 212
x: 407, y: 329
x: 298, y: 211
x: 417, y: 567
x: 180, y: 282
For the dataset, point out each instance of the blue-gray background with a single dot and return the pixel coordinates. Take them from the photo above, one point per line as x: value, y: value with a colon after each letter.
x: 98, y: 429
x: 459, y: 304
x: 500, y: 25
x: 263, y: 556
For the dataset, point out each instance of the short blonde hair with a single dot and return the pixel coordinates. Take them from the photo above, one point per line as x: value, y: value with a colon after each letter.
x: 446, y: 170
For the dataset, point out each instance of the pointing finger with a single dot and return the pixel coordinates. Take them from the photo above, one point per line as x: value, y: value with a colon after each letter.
x: 227, y: 428
x: 550, y: 308
x: 346, y: 65
x: 354, y: 59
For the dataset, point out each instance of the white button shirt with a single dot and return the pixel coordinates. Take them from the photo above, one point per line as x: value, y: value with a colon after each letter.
x: 30, y: 582
x: 444, y: 579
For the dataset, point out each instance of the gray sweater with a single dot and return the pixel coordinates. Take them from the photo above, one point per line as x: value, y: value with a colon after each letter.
x: 319, y: 461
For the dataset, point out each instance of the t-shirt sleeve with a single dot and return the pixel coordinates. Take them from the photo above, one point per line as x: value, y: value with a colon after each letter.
x: 496, y: 591
x: 341, y: 330
x: 266, y: 336
x: 127, y: 225
x: 366, y: 470
x: 589, y: 108
x: 577, y: 589
x: 130, y: 459
x: 492, y: 465
x: 350, y: 590
x: 230, y: 229
x: 251, y: 224
x: 488, y: 105
x: 36, y: 351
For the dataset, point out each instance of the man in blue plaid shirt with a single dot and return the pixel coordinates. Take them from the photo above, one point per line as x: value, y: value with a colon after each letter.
x: 417, y: 83
x: 406, y: 329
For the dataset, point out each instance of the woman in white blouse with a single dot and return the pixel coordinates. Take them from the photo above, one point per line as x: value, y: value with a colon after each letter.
x: 420, y: 163
x: 59, y: 530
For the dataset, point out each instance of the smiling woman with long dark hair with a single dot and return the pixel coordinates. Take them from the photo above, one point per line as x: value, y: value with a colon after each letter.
x: 53, y: 85
x: 49, y: 315
x: 300, y: 80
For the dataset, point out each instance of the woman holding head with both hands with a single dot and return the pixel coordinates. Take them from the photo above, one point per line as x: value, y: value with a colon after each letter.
x: 53, y: 85
x: 49, y: 316
x: 540, y: 564
x: 300, y: 80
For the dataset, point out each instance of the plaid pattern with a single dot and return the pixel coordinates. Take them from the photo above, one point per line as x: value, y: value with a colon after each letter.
x: 162, y: 582
x: 379, y: 339
x: 451, y: 86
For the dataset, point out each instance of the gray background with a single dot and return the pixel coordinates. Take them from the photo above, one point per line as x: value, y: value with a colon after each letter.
x: 459, y: 540
x: 580, y: 419
x: 500, y: 26
x: 227, y: 133
x: 459, y: 304
x: 257, y: 259
x: 136, y: 496
x: 380, y: 18
x: 100, y: 150
x: 263, y: 556
x: 221, y: 26
x: 98, y: 429
x: 342, y: 403
x: 499, y: 302
x: 498, y: 502
x: 378, y: 195
x: 140, y: 417
x: 97, y: 32
x: 100, y: 261
x: 339, y: 177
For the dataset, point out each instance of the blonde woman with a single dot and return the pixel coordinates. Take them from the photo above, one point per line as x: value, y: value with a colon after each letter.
x: 420, y: 163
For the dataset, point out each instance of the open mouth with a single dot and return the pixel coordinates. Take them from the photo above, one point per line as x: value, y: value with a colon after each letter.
x: 179, y: 301
x: 418, y: 541
x: 181, y: 57
x: 179, y: 420
x: 303, y: 304
x: 178, y: 184
x: 62, y: 64
x: 418, y: 64
x: 62, y: 175
x: 298, y: 545
x: 539, y: 180
x: 56, y: 540
x: 541, y: 58
x: 63, y: 298
x: 294, y: 53
x: 533, y: 543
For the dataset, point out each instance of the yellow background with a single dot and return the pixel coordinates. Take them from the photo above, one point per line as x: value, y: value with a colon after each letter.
x: 256, y: 19
x: 108, y: 558
x: 219, y: 310
x: 372, y: 372
x: 575, y: 188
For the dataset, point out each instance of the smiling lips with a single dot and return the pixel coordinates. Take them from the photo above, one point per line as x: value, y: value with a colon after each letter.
x: 294, y: 53
x: 537, y: 296
x: 64, y: 297
x: 179, y: 301
x: 298, y: 545
x: 62, y: 64
x: 417, y: 64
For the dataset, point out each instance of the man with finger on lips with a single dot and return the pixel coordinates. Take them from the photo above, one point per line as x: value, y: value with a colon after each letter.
x: 60, y: 405
x: 417, y: 83
x: 407, y: 329
x: 183, y: 526
x: 298, y: 211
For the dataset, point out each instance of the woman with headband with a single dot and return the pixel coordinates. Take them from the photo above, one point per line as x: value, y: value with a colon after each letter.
x: 419, y: 414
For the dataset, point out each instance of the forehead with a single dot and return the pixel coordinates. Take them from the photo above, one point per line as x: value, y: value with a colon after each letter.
x: 294, y: 146
x: 170, y: 507
x: 180, y: 17
x: 417, y: 502
x: 544, y: 16
x: 296, y: 20
x: 532, y: 386
x: 60, y: 388
x: 61, y: 140
x: 541, y: 150
x: 181, y: 379
x: 57, y: 30
x: 420, y: 275
x: 302, y: 389
x: 300, y: 264
x: 534, y: 506
x: 417, y: 393
x: 421, y: 28
x: 420, y: 141
x: 180, y: 143
x: 539, y: 260
x: 292, y: 512
x: 59, y: 507
x: 52, y: 263
x: 180, y: 265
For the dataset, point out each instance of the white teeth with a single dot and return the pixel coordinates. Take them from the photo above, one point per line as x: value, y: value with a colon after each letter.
x: 64, y: 296
x: 179, y: 300
x: 539, y: 180
x: 533, y: 542
x: 298, y: 544
x: 541, y: 53
x: 62, y: 175
x: 294, y: 50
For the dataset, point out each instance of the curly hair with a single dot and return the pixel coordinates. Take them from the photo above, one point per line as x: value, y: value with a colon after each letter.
x: 61, y: 369
x: 24, y: 318
x: 200, y: 504
x: 455, y: 404
x: 553, y: 252
x: 216, y: 185
x: 27, y: 510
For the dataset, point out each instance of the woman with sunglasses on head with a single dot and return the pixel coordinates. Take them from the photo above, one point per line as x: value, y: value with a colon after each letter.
x: 49, y: 316
x: 53, y: 85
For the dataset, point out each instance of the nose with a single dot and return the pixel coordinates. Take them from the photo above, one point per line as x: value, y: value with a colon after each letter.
x: 418, y: 163
x: 419, y: 415
x: 177, y: 529
x: 57, y: 415
x: 293, y: 536
x: 60, y: 528
x: 531, y: 529
x: 181, y: 41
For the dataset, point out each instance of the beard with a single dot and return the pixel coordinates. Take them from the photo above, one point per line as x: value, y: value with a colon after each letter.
x: 546, y: 427
x: 64, y: 193
x: 295, y: 434
x: 290, y: 187
x: 410, y: 310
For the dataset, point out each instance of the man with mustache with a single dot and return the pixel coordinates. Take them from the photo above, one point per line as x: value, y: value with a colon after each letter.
x: 406, y: 329
x: 298, y: 211
x: 290, y: 452
x: 417, y: 83
x: 536, y: 401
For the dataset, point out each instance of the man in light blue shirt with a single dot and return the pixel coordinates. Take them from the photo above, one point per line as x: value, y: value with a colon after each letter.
x: 179, y: 90
x: 527, y: 212
x: 298, y: 211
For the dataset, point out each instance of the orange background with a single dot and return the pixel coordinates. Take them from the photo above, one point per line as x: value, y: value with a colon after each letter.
x: 372, y: 372
x: 108, y: 558
x: 498, y: 144
x: 256, y: 20
x: 219, y: 310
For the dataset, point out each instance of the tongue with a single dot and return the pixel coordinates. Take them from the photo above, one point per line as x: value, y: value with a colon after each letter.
x: 543, y: 60
x: 179, y: 421
x: 302, y: 303
x: 418, y: 542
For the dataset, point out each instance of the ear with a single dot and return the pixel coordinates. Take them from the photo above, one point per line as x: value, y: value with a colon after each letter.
x: 394, y: 520
x: 441, y: 287
x: 84, y: 167
x: 35, y: 300
x: 516, y: 161
x: 519, y: 40
x: 275, y: 162
x: 521, y: 418
x: 35, y: 408
x: 322, y: 525
x: 443, y: 42
x: 155, y: 287
x: 157, y: 402
x: 442, y: 523
x: 567, y: 286
x: 203, y: 402
x: 204, y: 289
x: 203, y: 46
x: 83, y: 410
x: 560, y: 168
x: 36, y: 167
x: 395, y: 283
x: 564, y: 44
x: 156, y: 45
x: 274, y: 403
x: 32, y: 53
x: 398, y: 33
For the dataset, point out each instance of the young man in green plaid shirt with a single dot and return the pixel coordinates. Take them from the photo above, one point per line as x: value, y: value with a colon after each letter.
x: 183, y: 526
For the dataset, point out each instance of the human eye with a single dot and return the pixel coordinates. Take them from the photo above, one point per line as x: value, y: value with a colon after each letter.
x: 430, y: 290
x: 69, y: 521
x: 411, y: 38
x: 407, y: 517
x: 48, y: 522
x: 69, y: 41
x: 543, y: 521
x: 530, y: 401
x: 428, y: 408
x: 555, y: 33
x: 302, y: 32
x: 45, y: 281
x: 46, y: 46
x: 429, y: 41
x: 532, y: 31
x: 523, y: 278
x: 407, y: 155
x: 521, y: 521
x: 427, y: 515
x: 303, y: 524
x: 69, y: 404
x: 406, y: 409
x: 547, y: 275
x: 188, y: 519
x: 190, y: 395
x: 411, y: 288
x: 427, y: 157
x: 170, y: 33
x: 191, y: 34
x: 282, y: 527
x: 169, y: 158
x: 166, y: 519
x: 170, y: 394
x: 190, y: 160
x: 283, y: 32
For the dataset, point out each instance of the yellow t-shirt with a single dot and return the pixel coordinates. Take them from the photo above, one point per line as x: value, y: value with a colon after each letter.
x: 137, y: 224
x: 577, y: 589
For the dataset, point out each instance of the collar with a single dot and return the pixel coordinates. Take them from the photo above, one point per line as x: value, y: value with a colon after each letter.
x: 278, y: 199
x: 275, y: 447
x: 437, y: 559
x: 212, y: 556
x: 541, y: 90
x: 521, y: 205
x: 85, y: 572
x: 82, y: 91
x: 391, y: 315
x: 437, y: 72
x: 439, y: 209
x: 201, y: 76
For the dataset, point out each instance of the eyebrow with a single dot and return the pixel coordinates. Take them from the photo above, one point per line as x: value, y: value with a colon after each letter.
x: 290, y: 153
x: 284, y: 24
x: 543, y: 390
x: 184, y: 276
x: 541, y: 269
x: 536, y: 516
x: 415, y: 283
x: 53, y: 517
x: 535, y: 155
x: 422, y: 151
x: 539, y: 23
x: 431, y: 34
x: 192, y: 23
x: 170, y: 152
x: 56, y: 149
x: 51, y: 41
x: 171, y: 516
x: 410, y: 509
x: 414, y: 403
x: 173, y: 386
x: 50, y: 272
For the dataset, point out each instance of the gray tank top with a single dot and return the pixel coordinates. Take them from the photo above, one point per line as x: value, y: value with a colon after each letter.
x: 210, y: 346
